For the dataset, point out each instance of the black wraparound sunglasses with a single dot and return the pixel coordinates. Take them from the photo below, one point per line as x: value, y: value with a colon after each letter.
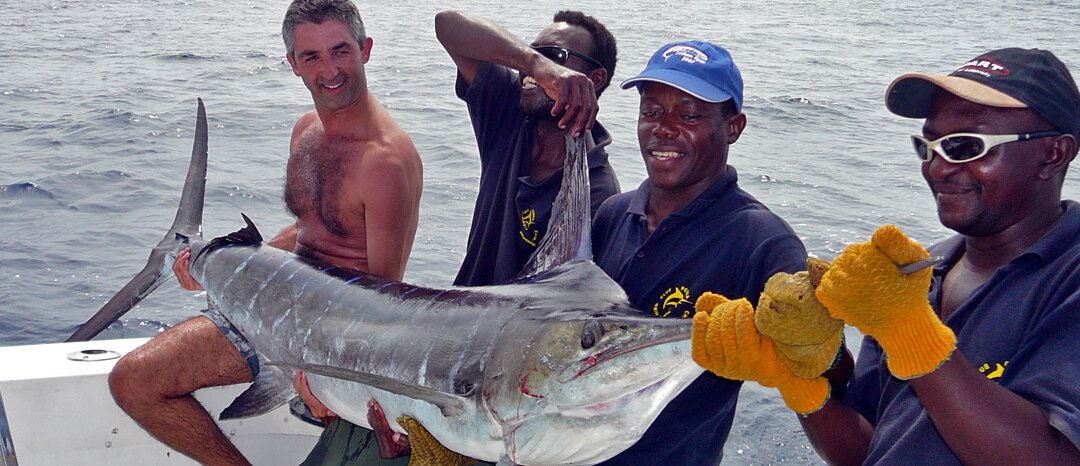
x: 561, y: 54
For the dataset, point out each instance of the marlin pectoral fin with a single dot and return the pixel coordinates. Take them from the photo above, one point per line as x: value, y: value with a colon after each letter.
x: 271, y: 388
x: 187, y: 224
x: 448, y: 403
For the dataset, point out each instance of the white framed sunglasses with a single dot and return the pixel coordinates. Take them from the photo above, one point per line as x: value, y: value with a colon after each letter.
x: 967, y: 147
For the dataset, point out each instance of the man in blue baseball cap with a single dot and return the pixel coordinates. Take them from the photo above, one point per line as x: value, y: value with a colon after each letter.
x: 688, y: 229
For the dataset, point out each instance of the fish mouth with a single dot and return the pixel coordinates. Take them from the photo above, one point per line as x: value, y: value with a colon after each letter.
x: 592, y: 408
x: 601, y: 358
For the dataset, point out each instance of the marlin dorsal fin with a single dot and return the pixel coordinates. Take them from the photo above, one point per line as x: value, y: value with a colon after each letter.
x: 569, y: 229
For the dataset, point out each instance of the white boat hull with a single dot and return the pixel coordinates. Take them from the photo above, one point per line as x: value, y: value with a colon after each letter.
x: 55, y: 408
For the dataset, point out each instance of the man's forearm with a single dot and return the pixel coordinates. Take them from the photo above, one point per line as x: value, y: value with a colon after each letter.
x: 480, y: 40
x: 838, y: 433
x: 972, y: 412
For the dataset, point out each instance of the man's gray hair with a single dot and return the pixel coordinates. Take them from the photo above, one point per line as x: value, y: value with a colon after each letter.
x: 317, y: 11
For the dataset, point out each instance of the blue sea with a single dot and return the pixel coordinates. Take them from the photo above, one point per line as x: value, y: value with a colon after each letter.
x: 97, y: 111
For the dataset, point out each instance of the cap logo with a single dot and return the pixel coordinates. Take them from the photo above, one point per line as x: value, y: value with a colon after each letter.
x: 984, y: 67
x: 686, y: 53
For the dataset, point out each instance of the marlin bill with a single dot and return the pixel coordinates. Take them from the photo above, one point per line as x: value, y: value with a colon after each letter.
x: 556, y: 368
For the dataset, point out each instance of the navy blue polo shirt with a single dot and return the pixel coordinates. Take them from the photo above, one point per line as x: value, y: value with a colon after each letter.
x: 725, y: 241
x: 512, y: 208
x: 1021, y: 329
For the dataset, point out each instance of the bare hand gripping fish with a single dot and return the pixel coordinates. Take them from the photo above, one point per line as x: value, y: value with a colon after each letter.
x: 555, y: 368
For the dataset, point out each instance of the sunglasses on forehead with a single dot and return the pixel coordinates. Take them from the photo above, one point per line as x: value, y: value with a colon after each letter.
x: 561, y: 54
x: 968, y: 147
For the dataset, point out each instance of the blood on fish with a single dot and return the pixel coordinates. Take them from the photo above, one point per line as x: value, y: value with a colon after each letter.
x: 525, y: 390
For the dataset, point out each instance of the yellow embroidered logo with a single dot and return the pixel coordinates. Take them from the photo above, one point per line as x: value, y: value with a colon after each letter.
x: 674, y: 300
x: 528, y: 219
x: 998, y: 369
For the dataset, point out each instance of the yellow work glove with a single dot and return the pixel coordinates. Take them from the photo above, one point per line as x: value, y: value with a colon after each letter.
x: 426, y: 450
x: 865, y: 288
x: 725, y: 341
x: 806, y: 337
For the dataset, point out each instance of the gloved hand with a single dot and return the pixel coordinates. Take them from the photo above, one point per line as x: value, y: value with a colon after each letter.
x: 725, y: 341
x: 865, y: 289
x: 426, y: 450
x: 806, y: 337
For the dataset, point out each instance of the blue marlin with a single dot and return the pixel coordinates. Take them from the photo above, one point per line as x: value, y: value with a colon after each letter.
x: 554, y: 368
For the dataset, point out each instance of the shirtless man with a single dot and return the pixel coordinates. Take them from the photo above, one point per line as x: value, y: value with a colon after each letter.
x: 353, y: 181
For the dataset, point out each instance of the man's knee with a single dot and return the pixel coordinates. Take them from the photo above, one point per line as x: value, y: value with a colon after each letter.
x: 171, y: 364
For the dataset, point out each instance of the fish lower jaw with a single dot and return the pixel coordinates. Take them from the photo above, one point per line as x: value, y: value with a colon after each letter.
x: 613, y: 404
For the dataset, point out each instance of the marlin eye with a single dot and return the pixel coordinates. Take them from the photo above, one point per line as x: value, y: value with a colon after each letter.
x: 589, y: 336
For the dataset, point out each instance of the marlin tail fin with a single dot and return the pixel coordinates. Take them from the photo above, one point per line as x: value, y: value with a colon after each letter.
x: 158, y: 268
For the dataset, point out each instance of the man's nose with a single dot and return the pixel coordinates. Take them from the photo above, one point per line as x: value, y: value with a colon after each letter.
x: 665, y: 127
x: 939, y: 168
x: 327, y: 69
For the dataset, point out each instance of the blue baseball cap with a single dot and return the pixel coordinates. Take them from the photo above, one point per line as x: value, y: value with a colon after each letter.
x: 698, y: 68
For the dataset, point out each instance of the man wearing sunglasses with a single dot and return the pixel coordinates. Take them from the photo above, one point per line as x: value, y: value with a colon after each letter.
x: 522, y: 100
x: 988, y: 372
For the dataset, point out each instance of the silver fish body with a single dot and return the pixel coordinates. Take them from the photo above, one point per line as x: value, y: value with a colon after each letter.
x: 555, y: 370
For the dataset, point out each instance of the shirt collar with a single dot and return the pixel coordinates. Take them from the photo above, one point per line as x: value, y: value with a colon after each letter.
x: 718, y: 189
x: 598, y: 156
x: 1053, y: 244
x: 1061, y: 237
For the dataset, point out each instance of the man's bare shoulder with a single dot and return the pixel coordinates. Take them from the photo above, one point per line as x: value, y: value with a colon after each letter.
x: 308, y: 121
x: 392, y: 157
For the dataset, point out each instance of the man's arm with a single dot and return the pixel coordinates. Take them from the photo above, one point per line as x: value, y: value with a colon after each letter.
x: 839, y: 433
x: 971, y: 412
x: 471, y: 41
x: 390, y: 189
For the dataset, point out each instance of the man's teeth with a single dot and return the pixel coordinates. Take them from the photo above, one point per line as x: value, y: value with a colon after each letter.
x: 335, y: 86
x: 667, y: 155
x: 528, y: 83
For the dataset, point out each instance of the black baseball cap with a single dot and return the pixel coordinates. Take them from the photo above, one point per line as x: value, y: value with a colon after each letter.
x: 1010, y: 78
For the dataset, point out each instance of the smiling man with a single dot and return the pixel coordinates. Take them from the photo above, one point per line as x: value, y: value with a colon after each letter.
x: 688, y: 229
x: 522, y: 100
x: 983, y: 369
x: 353, y: 181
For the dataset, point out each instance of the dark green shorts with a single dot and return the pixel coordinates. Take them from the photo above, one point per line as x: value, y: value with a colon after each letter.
x: 345, y: 443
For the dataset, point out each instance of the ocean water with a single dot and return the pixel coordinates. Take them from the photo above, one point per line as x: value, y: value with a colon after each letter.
x: 97, y: 110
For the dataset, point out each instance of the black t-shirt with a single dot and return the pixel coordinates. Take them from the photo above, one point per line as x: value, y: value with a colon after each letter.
x: 512, y: 209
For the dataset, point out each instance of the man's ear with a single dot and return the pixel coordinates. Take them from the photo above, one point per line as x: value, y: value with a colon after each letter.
x: 292, y: 63
x: 1059, y: 153
x: 735, y: 127
x: 598, y: 77
x: 366, y: 53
